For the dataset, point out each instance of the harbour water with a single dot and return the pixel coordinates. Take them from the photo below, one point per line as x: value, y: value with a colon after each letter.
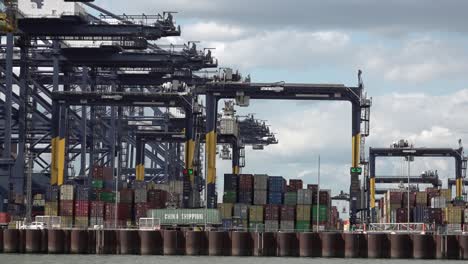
x: 102, y: 259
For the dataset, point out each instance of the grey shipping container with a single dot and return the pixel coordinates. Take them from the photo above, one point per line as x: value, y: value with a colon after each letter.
x: 260, y: 182
x: 287, y: 225
x: 186, y: 216
x: 141, y: 195
x: 271, y: 225
x: 304, y: 197
x: 260, y: 197
x: 241, y: 211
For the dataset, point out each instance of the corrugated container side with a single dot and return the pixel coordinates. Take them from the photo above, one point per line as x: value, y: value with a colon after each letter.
x: 271, y: 225
x: 275, y: 198
x: 81, y: 221
x: 66, y: 221
x: 260, y: 197
x: 272, y: 212
x: 256, y: 213
x: 97, y: 208
x: 241, y: 211
x: 287, y: 225
x: 322, y: 213
x: 295, y: 184
x: 303, y: 226
x: 276, y: 184
x: 51, y: 208
x: 231, y: 182
x: 226, y: 210
x: 303, y: 213
x: 304, y: 196
x: 81, y: 208
x: 438, y: 202
x: 141, y: 195
x: 245, y: 182
x: 245, y: 197
x: 287, y: 213
x: 260, y: 182
x: 140, y: 210
x: 66, y: 192
x: 290, y: 198
x: 66, y: 208
x: 96, y: 221
x: 230, y: 197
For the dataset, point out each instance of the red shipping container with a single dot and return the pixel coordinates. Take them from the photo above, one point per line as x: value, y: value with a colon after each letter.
x: 396, y: 197
x: 66, y: 208
x: 123, y: 211
x: 324, y: 198
x: 272, y: 212
x: 245, y: 182
x: 126, y: 196
x: 157, y: 199
x: 412, y: 197
x: 4, y: 218
x: 288, y: 213
x: 141, y: 210
x: 97, y: 209
x: 313, y: 187
x: 295, y: 184
x: 402, y: 215
x: 81, y: 208
x: 107, y: 173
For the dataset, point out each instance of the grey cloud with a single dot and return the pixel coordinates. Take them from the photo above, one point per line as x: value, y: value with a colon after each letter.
x: 389, y: 17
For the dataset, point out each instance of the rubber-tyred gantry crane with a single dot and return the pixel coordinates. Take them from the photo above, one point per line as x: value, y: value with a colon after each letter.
x: 231, y: 86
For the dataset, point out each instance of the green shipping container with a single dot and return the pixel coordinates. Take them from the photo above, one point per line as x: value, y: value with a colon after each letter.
x: 256, y: 213
x: 303, y: 213
x: 108, y: 197
x: 256, y: 226
x: 303, y: 226
x: 290, y: 198
x: 186, y: 216
x: 230, y: 197
x: 323, y: 213
x: 225, y: 210
x: 97, y: 184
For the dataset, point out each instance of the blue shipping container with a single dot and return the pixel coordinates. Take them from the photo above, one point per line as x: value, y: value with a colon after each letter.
x: 276, y: 184
x: 227, y: 223
x: 275, y: 198
x: 245, y: 197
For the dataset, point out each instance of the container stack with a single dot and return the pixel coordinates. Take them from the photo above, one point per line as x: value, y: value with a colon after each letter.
x: 276, y: 189
x: 82, y: 197
x: 230, y: 188
x: 141, y: 201
x: 260, y: 189
x: 287, y: 216
x: 66, y: 205
x: 97, y: 213
x: 245, y: 189
x: 240, y: 218
x: 303, y: 217
x: 157, y: 198
x: 272, y: 217
x: 256, y: 218
x: 52, y: 201
x: 225, y: 210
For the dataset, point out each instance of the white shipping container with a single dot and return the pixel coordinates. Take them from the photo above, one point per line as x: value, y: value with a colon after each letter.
x: 66, y: 192
x: 304, y: 196
x: 49, y: 8
x: 176, y: 187
x: 438, y: 202
x: 228, y: 126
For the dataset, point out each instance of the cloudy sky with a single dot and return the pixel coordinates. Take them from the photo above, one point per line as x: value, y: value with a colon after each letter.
x: 413, y: 54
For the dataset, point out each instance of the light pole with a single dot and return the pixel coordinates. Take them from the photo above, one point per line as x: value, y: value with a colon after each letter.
x: 318, y: 192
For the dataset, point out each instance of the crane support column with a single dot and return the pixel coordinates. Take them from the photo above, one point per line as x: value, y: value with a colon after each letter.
x: 211, y: 109
x: 140, y: 159
x: 459, y: 177
x: 371, y: 191
x: 189, y: 144
x: 356, y: 142
x: 55, y: 116
x: 235, y: 157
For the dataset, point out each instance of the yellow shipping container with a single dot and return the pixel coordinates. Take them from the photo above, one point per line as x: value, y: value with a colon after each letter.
x: 51, y: 208
x: 303, y: 213
x: 66, y: 221
x: 225, y: 209
x: 81, y: 222
x: 447, y: 193
x: 421, y: 198
x: 256, y: 213
x: 453, y: 215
